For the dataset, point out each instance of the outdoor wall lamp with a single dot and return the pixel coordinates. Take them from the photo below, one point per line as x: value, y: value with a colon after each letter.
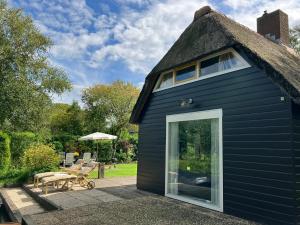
x: 186, y: 102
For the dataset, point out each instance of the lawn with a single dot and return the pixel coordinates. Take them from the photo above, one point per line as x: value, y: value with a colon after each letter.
x: 121, y: 170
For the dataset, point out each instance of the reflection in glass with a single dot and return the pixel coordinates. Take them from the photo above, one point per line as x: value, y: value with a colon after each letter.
x: 220, y: 63
x: 166, y: 80
x: 193, y: 161
x: 186, y: 73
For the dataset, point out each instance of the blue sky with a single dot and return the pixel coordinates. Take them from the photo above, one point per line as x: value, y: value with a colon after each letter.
x: 100, y: 41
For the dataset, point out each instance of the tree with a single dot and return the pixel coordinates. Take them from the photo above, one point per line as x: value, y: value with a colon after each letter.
x: 109, y: 106
x: 295, y: 39
x: 27, y: 79
x: 67, y: 119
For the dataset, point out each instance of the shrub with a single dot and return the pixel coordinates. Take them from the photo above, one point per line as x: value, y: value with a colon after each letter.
x: 126, y: 147
x: 19, y: 142
x: 123, y: 156
x: 39, y: 158
x: 14, y: 176
x: 5, y: 155
x: 104, y: 150
x: 67, y: 140
x: 58, y: 147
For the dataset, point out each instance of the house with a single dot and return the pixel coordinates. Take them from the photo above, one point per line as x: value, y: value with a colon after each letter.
x: 219, y: 119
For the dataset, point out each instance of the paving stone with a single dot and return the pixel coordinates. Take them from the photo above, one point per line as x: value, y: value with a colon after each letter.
x: 23, y: 202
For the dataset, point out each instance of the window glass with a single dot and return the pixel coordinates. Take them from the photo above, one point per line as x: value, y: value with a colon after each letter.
x: 228, y: 61
x: 166, y: 80
x: 210, y: 66
x: 193, y: 161
x: 186, y: 73
x: 220, y: 63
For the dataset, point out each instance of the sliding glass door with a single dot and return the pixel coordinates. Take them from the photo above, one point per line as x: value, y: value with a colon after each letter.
x: 194, y: 158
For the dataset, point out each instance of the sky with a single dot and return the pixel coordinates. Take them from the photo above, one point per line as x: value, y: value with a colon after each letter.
x: 100, y: 41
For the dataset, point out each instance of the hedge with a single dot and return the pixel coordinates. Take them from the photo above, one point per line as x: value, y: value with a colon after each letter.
x: 19, y: 142
x: 5, y: 155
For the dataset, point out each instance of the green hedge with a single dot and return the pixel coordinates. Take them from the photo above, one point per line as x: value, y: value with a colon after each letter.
x: 19, y: 142
x: 5, y: 155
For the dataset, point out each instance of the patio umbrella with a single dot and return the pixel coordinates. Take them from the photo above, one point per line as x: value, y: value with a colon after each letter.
x: 97, y: 136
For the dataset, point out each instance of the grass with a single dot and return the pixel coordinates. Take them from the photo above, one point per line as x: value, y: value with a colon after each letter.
x: 121, y: 170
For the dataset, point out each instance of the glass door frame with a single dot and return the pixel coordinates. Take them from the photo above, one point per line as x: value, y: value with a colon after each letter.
x: 200, y: 115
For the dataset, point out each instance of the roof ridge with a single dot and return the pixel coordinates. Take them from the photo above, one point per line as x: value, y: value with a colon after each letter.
x: 283, y: 47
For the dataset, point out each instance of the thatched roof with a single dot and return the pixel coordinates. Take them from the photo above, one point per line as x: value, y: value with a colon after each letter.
x: 212, y: 31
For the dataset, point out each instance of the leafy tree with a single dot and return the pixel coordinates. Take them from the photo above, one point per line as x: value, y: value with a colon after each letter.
x: 109, y: 106
x: 67, y: 119
x: 27, y: 79
x: 295, y: 38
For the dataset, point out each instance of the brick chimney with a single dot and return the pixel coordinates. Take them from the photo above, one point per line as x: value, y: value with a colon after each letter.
x: 275, y: 26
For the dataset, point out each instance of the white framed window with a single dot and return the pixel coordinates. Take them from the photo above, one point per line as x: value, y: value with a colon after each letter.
x: 213, y: 65
x: 194, y: 158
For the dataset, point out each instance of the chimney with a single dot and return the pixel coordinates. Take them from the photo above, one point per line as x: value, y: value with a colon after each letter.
x: 274, y: 26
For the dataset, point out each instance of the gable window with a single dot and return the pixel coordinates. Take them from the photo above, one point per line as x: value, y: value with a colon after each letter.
x: 217, y: 64
x: 166, y: 80
x: 186, y: 73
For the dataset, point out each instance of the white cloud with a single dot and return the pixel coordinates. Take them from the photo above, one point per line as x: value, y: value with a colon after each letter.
x: 70, y: 96
x: 138, y: 35
x: 246, y: 12
x: 143, y: 38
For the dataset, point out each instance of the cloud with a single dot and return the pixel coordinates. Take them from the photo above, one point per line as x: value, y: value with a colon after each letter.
x: 142, y: 38
x: 246, y: 12
x: 129, y: 35
x: 70, y: 96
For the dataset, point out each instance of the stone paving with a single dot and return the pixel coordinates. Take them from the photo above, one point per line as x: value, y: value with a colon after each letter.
x: 81, y: 196
x: 72, y: 199
x: 23, y: 202
x: 117, y: 201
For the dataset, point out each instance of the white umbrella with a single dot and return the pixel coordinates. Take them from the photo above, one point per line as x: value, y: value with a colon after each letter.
x: 97, y: 136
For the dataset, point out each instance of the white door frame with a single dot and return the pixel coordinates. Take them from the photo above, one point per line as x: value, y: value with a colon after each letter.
x: 208, y: 114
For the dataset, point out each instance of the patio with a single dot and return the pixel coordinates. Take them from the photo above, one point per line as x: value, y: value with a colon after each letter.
x: 117, y: 201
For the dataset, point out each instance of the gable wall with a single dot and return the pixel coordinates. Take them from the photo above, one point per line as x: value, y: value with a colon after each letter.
x: 257, y: 146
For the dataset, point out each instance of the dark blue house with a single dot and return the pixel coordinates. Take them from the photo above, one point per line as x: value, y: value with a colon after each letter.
x: 219, y: 119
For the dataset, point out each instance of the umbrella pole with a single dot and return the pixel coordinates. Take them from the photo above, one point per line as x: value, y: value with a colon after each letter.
x: 99, y: 166
x: 97, y: 151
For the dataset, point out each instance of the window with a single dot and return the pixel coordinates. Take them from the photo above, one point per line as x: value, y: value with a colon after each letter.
x: 185, y: 74
x: 220, y: 63
x: 194, y: 158
x: 166, y: 80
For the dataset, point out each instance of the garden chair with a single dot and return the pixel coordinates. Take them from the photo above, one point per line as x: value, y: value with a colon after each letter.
x: 61, y: 157
x: 69, y: 159
x: 39, y: 176
x: 87, y: 156
x: 56, y: 179
x: 83, y: 173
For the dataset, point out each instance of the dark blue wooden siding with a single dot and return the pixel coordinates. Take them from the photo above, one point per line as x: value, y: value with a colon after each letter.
x: 257, y: 142
x: 296, y: 138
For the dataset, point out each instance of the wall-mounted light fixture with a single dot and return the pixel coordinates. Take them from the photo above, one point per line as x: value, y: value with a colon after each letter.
x: 186, y: 102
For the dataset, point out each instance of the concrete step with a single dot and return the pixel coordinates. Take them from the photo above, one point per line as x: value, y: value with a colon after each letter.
x: 20, y: 203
